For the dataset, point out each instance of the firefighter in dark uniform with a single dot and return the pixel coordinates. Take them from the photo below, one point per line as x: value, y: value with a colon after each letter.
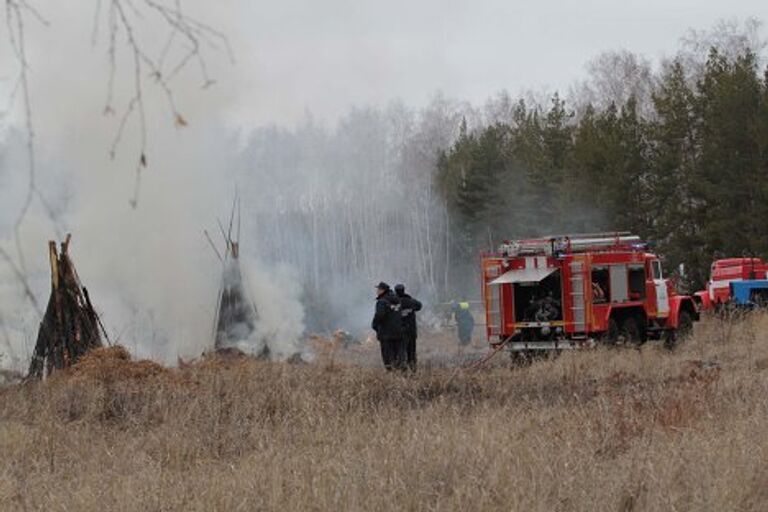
x: 408, y: 308
x: 388, y: 324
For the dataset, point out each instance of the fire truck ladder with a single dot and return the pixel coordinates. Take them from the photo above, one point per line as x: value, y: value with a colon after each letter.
x: 494, y: 309
x: 578, y: 300
x: 597, y: 241
x: 494, y: 319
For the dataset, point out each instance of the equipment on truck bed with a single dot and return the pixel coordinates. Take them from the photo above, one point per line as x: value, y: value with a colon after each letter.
x: 573, y: 291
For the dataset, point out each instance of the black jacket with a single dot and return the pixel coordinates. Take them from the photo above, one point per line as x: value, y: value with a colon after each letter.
x: 387, y: 321
x: 408, y: 308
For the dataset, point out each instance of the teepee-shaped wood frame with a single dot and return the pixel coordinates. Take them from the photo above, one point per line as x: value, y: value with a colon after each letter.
x: 70, y: 326
x: 236, y: 314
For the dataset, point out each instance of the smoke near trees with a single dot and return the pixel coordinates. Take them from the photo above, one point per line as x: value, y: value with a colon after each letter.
x: 670, y: 152
x: 352, y: 205
x: 676, y: 155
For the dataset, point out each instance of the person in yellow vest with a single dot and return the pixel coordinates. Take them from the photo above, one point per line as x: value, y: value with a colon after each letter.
x: 465, y: 324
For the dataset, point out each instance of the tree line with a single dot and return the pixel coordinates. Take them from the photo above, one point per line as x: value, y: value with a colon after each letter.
x: 685, y: 167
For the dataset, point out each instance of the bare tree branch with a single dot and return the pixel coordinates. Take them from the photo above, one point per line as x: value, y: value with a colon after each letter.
x: 122, y: 17
x: 15, y: 10
x: 184, y: 32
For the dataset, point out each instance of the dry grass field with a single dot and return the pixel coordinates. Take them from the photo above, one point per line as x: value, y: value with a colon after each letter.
x: 618, y: 430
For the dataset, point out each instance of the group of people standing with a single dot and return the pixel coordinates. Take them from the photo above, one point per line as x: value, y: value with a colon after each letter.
x: 395, y: 324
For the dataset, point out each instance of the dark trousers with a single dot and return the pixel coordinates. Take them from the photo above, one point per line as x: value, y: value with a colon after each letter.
x: 392, y: 353
x: 409, y: 340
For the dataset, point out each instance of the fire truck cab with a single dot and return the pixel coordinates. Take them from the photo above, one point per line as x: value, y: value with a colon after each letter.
x: 574, y: 291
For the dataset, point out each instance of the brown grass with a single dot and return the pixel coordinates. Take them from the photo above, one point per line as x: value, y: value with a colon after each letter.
x: 616, y: 430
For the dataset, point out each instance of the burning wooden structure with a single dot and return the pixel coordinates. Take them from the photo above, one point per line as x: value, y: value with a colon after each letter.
x: 70, y: 326
x: 236, y: 314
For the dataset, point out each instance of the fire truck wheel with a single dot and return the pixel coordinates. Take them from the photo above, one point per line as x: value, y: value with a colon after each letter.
x: 521, y: 358
x: 630, y: 331
x: 684, y: 329
x: 613, y: 333
x: 684, y: 324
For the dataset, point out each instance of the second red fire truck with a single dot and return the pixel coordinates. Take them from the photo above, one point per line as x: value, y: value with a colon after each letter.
x: 576, y: 291
x: 737, y: 282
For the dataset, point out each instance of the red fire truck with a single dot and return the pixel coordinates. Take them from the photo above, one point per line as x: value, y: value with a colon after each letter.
x: 574, y: 291
x: 735, y: 282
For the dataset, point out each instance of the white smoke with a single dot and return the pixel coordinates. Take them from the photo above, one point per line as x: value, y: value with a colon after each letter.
x: 149, y: 270
x: 328, y: 212
x: 277, y: 294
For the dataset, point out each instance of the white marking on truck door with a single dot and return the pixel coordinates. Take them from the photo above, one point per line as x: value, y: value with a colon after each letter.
x: 662, y: 298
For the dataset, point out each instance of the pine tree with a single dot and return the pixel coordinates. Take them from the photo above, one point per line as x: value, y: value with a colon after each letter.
x: 728, y: 199
x: 584, y: 192
x: 761, y: 134
x: 470, y: 175
x: 631, y: 197
x: 672, y: 175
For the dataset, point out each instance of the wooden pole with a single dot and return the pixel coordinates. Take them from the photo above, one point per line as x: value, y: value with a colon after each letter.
x: 53, y: 258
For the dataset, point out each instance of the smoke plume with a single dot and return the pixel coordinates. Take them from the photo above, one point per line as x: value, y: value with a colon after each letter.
x: 149, y: 270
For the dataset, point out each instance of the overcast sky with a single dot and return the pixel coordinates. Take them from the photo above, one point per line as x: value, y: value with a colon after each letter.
x: 326, y: 55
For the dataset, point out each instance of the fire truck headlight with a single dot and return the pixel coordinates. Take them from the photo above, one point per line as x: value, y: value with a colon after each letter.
x: 545, y: 331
